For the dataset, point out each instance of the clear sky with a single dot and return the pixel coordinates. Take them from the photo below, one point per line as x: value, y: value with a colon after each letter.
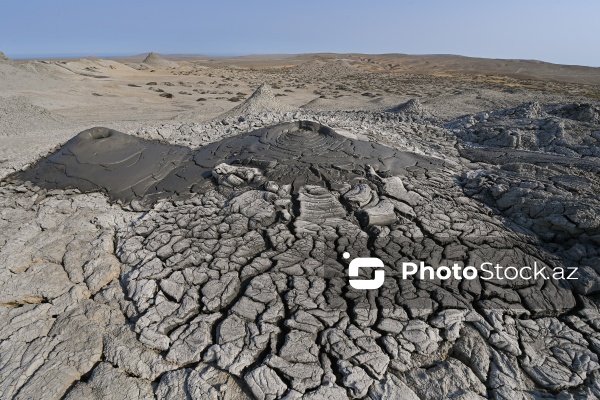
x: 560, y: 31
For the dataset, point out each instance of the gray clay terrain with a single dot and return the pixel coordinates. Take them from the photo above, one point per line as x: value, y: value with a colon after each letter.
x: 194, y: 249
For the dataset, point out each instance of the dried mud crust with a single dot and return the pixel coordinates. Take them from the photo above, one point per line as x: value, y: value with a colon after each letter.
x: 236, y: 288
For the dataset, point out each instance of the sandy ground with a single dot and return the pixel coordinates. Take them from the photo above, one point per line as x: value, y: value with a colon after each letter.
x: 45, y: 102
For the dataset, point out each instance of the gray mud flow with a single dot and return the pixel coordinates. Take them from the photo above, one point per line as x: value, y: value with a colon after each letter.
x: 126, y: 167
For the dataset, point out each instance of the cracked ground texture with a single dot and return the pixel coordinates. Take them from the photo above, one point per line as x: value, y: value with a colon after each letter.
x: 132, y: 268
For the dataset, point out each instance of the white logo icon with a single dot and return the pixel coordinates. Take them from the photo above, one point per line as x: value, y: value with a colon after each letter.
x: 368, y: 262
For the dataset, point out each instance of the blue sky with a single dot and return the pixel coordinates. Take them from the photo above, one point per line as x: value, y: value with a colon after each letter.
x: 565, y: 32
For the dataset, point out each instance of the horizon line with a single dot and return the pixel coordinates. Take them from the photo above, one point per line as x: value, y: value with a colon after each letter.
x: 73, y: 56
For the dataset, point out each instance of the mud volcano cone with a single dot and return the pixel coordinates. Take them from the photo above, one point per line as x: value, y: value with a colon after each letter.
x: 262, y: 100
x: 155, y: 60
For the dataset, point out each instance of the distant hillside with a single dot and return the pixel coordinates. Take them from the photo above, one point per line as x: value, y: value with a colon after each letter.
x: 450, y: 64
x: 400, y: 63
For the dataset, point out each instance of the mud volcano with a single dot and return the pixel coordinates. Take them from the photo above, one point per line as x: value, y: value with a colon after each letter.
x: 298, y: 153
x: 236, y: 287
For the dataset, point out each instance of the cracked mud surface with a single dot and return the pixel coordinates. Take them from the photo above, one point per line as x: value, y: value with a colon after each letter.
x: 218, y: 273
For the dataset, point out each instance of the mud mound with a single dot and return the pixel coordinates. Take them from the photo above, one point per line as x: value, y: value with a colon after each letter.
x: 18, y: 115
x: 578, y: 112
x: 412, y: 106
x: 564, y: 130
x: 522, y: 111
x: 412, y: 110
x: 304, y: 152
x: 262, y: 100
x: 103, y: 159
x: 126, y: 167
x: 157, y: 61
x: 3, y: 57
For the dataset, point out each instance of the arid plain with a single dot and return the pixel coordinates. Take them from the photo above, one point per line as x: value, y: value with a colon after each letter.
x: 193, y: 244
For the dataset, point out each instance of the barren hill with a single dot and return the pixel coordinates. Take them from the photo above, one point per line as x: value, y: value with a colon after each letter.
x: 262, y: 100
x: 156, y: 60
